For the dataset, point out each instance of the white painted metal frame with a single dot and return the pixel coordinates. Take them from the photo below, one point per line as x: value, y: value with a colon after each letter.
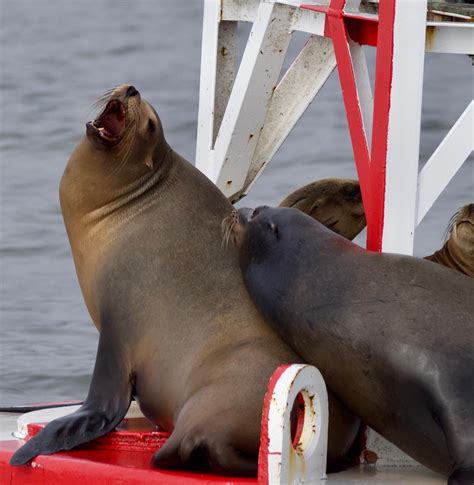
x: 404, y: 126
x: 445, y: 161
x: 245, y: 115
x: 260, y: 112
x: 305, y: 463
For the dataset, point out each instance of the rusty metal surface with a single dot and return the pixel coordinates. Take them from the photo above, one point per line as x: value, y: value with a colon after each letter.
x: 438, y: 11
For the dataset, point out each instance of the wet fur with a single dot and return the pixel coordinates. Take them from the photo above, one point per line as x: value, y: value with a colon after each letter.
x: 391, y: 334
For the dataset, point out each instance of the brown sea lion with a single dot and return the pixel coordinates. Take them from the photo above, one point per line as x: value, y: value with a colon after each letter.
x: 336, y: 203
x: 458, y: 251
x: 177, y: 329
x: 391, y: 334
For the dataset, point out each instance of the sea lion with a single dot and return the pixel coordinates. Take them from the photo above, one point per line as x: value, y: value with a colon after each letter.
x: 177, y: 329
x: 336, y: 203
x: 458, y: 251
x: 391, y: 334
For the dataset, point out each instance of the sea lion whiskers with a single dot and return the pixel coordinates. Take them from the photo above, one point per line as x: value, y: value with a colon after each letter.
x: 99, y: 104
x: 452, y: 222
x: 227, y: 227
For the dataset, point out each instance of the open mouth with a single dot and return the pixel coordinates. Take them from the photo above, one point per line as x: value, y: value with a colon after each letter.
x: 110, y: 125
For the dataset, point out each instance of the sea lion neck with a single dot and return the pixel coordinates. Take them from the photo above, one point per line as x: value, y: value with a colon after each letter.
x: 90, y: 192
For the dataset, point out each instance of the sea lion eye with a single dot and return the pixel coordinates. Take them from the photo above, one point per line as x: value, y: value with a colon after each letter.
x: 151, y: 126
x: 275, y: 230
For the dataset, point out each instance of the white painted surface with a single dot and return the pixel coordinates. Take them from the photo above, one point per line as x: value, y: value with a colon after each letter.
x: 306, y: 463
x: 404, y: 127
x: 295, y: 92
x: 364, y: 88
x: 446, y: 161
x: 207, y: 90
x: 370, y: 475
x: 450, y: 37
x: 253, y: 88
x: 245, y: 11
x: 309, y: 21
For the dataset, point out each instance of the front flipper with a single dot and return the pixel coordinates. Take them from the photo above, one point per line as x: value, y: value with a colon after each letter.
x: 205, y: 451
x: 107, y: 403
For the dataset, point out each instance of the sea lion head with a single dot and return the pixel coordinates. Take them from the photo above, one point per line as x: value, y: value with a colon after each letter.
x: 122, y: 147
x: 461, y: 229
x: 459, y: 249
x: 335, y: 203
x: 264, y: 234
x: 127, y: 129
x: 457, y: 252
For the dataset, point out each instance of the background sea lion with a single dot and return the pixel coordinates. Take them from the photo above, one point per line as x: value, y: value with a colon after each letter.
x: 458, y: 251
x: 177, y: 328
x: 336, y: 203
x: 391, y: 334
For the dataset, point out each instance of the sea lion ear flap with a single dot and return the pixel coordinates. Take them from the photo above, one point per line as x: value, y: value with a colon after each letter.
x: 149, y: 163
x: 275, y: 230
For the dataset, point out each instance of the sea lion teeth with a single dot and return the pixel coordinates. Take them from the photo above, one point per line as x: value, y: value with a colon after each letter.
x: 175, y: 320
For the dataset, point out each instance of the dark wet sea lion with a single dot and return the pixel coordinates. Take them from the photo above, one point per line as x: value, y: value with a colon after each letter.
x: 458, y: 251
x: 392, y: 335
x: 336, y: 203
x: 177, y: 328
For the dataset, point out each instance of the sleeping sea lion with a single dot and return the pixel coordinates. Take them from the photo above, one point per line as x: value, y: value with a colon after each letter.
x: 391, y: 334
x: 336, y: 203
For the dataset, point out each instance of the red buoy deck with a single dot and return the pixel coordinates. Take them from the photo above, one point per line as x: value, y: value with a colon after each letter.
x: 121, y: 457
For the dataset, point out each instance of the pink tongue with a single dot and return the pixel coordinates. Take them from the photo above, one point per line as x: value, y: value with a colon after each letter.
x: 113, y: 120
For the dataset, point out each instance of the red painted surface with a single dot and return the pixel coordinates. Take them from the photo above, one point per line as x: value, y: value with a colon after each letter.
x: 264, y: 436
x: 299, y: 408
x: 99, y: 467
x: 354, y: 115
x: 382, y: 96
x: 120, y: 457
x: 136, y: 434
x: 371, y: 167
x: 362, y: 30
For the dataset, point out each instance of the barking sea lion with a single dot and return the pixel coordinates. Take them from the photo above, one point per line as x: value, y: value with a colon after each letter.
x: 177, y: 329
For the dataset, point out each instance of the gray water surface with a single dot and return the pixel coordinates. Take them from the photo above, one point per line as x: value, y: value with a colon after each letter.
x: 56, y: 57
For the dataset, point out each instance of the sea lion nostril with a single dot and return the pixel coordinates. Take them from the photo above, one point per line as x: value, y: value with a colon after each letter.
x: 132, y: 91
x: 471, y: 209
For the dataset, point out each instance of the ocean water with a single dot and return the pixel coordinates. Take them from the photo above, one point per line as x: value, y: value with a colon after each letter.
x: 56, y: 57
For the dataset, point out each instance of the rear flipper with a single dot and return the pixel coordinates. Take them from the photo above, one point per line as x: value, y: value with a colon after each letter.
x: 201, y: 450
x: 462, y: 476
x: 106, y: 405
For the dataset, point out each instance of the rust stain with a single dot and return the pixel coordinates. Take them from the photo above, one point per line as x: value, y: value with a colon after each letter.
x: 370, y: 457
x: 431, y: 32
x: 224, y: 51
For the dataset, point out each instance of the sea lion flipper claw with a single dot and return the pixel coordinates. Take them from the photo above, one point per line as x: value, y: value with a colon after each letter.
x: 204, y: 450
x: 107, y: 403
